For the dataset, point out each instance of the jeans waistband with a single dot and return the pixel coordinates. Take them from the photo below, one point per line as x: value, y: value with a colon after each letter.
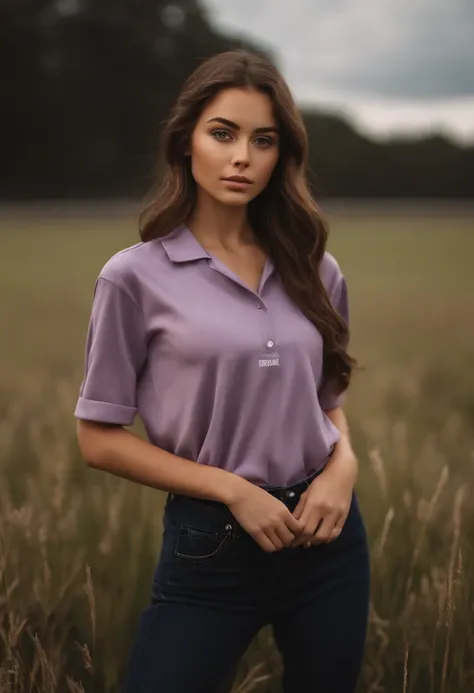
x: 296, y: 489
x: 182, y: 508
x: 281, y: 492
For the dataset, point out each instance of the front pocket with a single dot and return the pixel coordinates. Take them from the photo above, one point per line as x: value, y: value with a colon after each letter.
x: 199, y: 543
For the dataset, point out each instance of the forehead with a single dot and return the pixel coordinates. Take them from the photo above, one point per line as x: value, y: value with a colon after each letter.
x: 245, y: 107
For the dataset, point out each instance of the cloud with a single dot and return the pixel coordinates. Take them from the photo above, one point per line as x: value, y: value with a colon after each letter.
x: 422, y: 50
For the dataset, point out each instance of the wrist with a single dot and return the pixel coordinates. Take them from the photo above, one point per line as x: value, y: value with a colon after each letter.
x: 233, y: 488
x: 343, y: 463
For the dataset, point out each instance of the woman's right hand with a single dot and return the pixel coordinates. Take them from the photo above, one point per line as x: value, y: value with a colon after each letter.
x: 264, y: 517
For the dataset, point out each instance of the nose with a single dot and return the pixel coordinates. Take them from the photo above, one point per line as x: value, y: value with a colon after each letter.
x: 241, y: 154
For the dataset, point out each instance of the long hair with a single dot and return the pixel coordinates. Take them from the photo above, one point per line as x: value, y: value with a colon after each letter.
x: 284, y: 218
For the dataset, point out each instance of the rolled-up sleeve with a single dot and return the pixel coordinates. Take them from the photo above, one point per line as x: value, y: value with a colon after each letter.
x: 115, y: 355
x: 340, y: 300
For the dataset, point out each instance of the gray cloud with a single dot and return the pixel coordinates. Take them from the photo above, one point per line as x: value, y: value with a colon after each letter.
x: 418, y: 50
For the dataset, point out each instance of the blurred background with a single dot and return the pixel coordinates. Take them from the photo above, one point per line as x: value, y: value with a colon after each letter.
x: 387, y: 94
x: 387, y: 89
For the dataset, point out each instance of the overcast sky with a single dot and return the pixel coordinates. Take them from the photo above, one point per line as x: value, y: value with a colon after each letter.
x: 391, y: 65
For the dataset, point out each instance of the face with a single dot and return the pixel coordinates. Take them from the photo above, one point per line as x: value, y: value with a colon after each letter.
x: 235, y: 136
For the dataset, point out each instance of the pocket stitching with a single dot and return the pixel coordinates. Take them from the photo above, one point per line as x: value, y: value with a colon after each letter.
x: 201, y: 530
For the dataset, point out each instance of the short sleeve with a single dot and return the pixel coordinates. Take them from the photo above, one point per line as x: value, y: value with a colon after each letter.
x: 115, y: 354
x: 340, y: 300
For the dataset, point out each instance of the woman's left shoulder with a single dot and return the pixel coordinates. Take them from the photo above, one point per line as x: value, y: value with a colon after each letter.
x: 330, y: 270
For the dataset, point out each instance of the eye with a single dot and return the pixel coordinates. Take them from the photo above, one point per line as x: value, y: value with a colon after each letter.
x: 220, y: 135
x: 265, y: 141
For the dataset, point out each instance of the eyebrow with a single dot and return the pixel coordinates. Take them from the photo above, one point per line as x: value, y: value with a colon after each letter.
x: 230, y: 124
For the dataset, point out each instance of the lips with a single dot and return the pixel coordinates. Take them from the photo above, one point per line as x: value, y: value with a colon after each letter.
x: 238, y: 179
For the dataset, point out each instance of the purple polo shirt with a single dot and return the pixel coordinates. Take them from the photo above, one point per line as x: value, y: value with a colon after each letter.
x: 217, y: 373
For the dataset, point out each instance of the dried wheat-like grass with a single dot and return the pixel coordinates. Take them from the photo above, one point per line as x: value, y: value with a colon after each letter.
x: 378, y: 551
x: 11, y: 676
x: 89, y: 587
x: 381, y: 640
x: 450, y: 606
x: 86, y: 657
x: 252, y: 679
x: 443, y: 480
x: 74, y: 687
x: 378, y: 468
x: 405, y: 671
x: 48, y: 678
x: 58, y: 517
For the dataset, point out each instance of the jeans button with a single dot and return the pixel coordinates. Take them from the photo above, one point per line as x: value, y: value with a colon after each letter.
x: 290, y: 494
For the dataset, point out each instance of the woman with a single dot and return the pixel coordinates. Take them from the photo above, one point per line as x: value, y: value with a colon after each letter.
x: 226, y: 329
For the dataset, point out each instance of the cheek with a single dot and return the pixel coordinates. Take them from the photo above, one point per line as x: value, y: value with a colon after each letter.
x: 267, y: 166
x: 206, y: 157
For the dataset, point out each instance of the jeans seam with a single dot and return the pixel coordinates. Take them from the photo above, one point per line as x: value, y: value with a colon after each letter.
x: 199, y: 558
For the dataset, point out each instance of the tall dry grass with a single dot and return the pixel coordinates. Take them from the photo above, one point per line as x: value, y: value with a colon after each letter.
x: 77, y: 550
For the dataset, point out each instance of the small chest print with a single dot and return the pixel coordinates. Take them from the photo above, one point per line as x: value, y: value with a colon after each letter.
x: 263, y: 363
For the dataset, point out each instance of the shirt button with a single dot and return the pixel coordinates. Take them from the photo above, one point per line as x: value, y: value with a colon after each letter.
x: 270, y: 344
x: 259, y: 307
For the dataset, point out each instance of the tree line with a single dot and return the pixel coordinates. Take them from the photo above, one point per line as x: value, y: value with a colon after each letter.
x: 86, y: 85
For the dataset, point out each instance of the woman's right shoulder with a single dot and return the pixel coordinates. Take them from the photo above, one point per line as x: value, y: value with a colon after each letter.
x: 122, y: 264
x: 126, y: 266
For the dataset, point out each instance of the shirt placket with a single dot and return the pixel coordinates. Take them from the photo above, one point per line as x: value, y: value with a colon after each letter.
x: 269, y: 353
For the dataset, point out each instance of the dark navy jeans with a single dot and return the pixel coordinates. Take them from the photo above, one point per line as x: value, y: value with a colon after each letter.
x: 215, y: 588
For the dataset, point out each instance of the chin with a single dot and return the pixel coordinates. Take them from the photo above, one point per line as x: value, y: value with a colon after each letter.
x: 233, y: 200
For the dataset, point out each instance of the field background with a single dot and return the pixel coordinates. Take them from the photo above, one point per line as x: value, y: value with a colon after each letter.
x: 77, y: 548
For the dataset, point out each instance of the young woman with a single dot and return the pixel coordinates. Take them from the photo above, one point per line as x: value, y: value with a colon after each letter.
x: 226, y: 329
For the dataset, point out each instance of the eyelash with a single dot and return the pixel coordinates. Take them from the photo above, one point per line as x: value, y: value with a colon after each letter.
x: 268, y: 140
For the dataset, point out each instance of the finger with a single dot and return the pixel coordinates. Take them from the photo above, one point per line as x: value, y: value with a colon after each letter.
x: 334, y: 534
x: 307, y: 522
x: 294, y: 525
x: 264, y: 542
x: 298, y: 511
x: 307, y: 534
x: 337, y: 529
x: 275, y: 539
x: 324, y: 530
x: 284, y: 535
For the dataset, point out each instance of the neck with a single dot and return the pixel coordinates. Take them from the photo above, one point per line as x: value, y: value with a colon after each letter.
x: 220, y: 227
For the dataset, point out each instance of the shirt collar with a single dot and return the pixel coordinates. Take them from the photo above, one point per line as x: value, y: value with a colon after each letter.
x: 181, y: 245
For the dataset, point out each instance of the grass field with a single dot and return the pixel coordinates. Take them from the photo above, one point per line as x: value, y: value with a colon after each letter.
x: 77, y: 548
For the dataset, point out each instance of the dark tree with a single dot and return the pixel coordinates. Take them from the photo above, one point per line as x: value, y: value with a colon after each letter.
x: 86, y: 84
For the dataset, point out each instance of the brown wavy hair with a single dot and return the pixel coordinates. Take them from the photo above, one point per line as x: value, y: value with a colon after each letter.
x: 284, y: 217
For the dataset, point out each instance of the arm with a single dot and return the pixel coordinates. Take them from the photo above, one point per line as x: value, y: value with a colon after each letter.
x: 343, y: 461
x: 116, y: 352
x: 323, y: 508
x: 118, y: 451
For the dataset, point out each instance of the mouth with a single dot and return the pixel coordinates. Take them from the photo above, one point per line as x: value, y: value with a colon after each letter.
x: 238, y: 179
x: 237, y: 182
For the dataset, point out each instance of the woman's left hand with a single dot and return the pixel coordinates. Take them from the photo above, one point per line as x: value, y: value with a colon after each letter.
x: 323, y: 508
